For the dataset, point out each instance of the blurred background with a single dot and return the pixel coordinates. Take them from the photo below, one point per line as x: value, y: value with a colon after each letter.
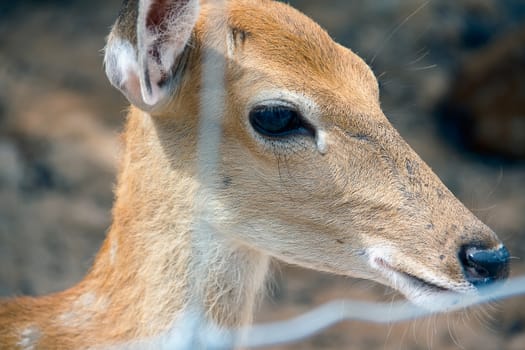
x: 452, y: 76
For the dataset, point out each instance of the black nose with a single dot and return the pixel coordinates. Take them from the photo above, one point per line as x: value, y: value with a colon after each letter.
x: 484, y: 266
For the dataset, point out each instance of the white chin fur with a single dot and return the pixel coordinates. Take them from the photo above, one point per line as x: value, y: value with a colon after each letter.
x: 425, y: 295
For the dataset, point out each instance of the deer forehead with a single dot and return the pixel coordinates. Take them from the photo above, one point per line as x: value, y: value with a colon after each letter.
x: 274, y: 46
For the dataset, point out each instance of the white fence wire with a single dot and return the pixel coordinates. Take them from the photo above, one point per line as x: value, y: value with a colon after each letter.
x: 326, y: 315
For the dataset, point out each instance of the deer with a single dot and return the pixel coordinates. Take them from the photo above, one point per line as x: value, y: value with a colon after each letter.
x: 251, y: 136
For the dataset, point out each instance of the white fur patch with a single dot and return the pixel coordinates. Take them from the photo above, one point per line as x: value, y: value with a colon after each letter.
x: 120, y: 61
x: 86, y: 300
x: 29, y: 338
x: 322, y: 145
x: 83, y: 309
x: 380, y: 259
x: 113, y: 251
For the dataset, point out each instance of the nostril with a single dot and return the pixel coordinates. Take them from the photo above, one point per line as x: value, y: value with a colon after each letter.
x: 484, y: 266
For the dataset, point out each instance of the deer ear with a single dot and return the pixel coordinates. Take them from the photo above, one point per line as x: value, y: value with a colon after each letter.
x: 145, y: 45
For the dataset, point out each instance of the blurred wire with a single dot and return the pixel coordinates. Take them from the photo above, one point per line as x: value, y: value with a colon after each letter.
x: 326, y: 315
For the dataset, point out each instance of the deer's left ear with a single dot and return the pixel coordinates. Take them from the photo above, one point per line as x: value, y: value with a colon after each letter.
x: 145, y: 45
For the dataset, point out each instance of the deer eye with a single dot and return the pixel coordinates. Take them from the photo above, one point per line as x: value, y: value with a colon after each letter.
x: 279, y: 121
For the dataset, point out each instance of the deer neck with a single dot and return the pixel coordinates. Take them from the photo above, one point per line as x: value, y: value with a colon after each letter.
x: 160, y: 246
x: 159, y: 267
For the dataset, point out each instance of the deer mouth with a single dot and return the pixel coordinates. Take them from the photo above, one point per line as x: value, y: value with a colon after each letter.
x: 427, y: 294
x: 413, y: 281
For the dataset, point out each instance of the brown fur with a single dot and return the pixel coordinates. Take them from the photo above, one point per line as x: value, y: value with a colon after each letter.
x: 317, y: 209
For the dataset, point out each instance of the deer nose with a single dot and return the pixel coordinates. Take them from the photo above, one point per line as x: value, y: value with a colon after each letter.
x: 484, y: 266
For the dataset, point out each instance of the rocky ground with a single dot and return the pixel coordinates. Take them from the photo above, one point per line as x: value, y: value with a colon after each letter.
x: 59, y: 121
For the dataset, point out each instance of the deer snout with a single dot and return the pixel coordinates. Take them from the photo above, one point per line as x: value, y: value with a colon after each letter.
x: 482, y: 266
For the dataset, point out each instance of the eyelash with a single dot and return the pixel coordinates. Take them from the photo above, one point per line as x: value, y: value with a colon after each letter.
x: 279, y: 122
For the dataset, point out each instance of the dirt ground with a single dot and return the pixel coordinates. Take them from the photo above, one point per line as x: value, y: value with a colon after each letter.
x: 59, y: 123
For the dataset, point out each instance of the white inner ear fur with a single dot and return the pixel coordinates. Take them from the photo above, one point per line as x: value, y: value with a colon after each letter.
x: 144, y: 74
x: 159, y: 46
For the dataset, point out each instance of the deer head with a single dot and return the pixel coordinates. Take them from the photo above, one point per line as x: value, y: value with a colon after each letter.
x: 310, y: 171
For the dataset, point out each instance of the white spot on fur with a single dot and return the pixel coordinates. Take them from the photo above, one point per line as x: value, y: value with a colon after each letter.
x: 29, y: 338
x: 322, y: 145
x: 83, y: 309
x: 67, y: 317
x: 113, y: 252
x: 86, y: 300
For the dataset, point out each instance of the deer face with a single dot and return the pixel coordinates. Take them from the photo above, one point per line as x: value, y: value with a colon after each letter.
x: 310, y: 171
x: 316, y: 175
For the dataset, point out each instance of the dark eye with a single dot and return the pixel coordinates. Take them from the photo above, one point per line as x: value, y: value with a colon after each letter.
x: 278, y: 121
